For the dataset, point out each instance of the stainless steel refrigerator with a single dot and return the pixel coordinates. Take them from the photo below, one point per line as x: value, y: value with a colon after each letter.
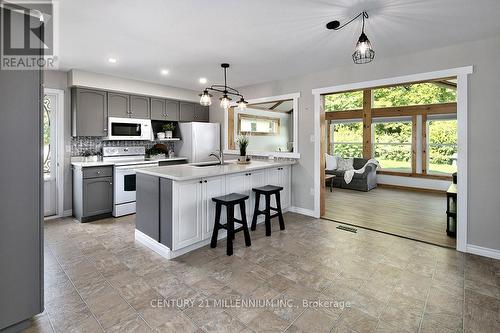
x: 198, y: 141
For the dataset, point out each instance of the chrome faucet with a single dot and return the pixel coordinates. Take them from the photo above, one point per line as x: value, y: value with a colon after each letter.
x: 220, y: 157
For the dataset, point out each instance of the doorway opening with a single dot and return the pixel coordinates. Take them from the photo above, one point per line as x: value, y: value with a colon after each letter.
x: 418, y: 143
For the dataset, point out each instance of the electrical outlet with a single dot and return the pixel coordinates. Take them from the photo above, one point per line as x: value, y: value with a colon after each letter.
x: 311, y: 191
x: 311, y: 138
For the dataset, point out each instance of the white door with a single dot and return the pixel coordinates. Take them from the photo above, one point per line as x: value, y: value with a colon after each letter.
x: 50, y: 111
x: 212, y: 187
x: 187, y: 213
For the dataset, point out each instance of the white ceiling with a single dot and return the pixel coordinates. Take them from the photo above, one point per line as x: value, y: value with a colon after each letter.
x: 263, y: 40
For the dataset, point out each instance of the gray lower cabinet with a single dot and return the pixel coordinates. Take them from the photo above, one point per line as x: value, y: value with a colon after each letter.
x: 92, y: 193
x: 186, y: 111
x: 89, y: 112
x: 139, y: 107
x: 200, y: 112
x: 164, y: 109
x: 118, y: 105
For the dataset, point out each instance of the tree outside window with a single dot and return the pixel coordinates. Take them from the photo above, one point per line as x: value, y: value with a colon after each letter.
x: 392, y: 145
x: 442, y: 146
x: 346, y: 139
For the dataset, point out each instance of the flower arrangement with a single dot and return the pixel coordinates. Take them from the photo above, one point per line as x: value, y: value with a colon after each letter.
x: 242, y: 142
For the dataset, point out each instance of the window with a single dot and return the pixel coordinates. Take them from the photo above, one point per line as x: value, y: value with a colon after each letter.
x: 392, y: 145
x: 258, y: 125
x: 346, y: 139
x: 415, y: 94
x: 344, y: 101
x: 442, y: 146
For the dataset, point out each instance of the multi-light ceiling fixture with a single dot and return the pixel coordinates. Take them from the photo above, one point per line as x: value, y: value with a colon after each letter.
x: 363, y: 52
x: 225, y: 100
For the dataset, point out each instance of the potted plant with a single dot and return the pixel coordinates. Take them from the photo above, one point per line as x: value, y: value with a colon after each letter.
x: 242, y: 143
x: 168, y: 128
x: 155, y: 153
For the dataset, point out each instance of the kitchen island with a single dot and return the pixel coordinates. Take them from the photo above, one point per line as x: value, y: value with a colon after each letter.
x: 175, y: 211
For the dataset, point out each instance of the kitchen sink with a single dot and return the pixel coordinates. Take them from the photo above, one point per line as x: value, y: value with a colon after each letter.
x: 208, y: 164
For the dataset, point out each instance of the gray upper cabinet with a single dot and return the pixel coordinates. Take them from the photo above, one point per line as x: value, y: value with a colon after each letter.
x: 157, y: 109
x: 118, y: 105
x: 89, y: 112
x: 139, y: 107
x: 200, y: 112
x: 164, y: 109
x: 172, y: 110
x: 187, y: 111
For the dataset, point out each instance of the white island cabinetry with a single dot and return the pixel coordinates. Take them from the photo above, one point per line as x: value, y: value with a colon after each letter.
x: 186, y: 212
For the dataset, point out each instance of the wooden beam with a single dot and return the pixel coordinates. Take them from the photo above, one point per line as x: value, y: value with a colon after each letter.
x: 411, y: 110
x: 329, y: 137
x: 322, y: 158
x: 276, y: 105
x: 344, y: 115
x: 424, y: 144
x: 367, y: 123
x: 414, y: 175
x: 414, y: 144
x: 230, y: 129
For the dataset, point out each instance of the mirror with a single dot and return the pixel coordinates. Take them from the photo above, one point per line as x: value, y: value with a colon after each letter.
x: 269, y: 124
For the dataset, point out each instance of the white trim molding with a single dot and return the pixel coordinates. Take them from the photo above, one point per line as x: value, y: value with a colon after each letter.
x: 302, y: 211
x: 483, y: 251
x: 295, y: 154
x: 462, y: 90
x: 152, y: 244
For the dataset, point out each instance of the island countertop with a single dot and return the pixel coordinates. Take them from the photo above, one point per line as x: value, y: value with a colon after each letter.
x: 190, y: 171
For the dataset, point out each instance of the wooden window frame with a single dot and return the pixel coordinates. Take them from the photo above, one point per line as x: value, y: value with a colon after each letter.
x: 368, y: 113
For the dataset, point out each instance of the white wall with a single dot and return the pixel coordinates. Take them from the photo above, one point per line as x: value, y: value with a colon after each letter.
x: 483, y: 120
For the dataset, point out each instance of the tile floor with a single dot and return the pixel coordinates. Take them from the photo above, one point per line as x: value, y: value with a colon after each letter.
x: 98, y: 279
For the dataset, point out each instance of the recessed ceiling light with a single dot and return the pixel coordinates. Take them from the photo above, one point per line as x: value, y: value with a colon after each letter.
x: 202, y: 80
x: 164, y: 71
x: 112, y: 60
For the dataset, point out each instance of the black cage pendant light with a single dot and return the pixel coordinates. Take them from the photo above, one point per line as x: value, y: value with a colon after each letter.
x: 225, y: 100
x: 363, y: 52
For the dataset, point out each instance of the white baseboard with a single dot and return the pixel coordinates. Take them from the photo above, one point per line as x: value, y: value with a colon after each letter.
x: 483, y: 251
x: 152, y: 244
x: 303, y: 211
x: 68, y: 213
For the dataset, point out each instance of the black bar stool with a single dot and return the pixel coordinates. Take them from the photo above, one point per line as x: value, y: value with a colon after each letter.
x: 230, y: 200
x: 267, y: 191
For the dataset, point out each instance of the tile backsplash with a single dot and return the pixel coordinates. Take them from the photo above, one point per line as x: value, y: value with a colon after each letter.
x: 82, y: 144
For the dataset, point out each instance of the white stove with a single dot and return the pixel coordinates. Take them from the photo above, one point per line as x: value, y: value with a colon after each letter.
x: 126, y: 161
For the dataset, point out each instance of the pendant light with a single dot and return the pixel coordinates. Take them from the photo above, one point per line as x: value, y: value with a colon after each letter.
x: 363, y: 52
x: 225, y: 100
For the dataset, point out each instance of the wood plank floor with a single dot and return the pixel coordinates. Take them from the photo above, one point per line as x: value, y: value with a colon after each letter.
x: 415, y: 215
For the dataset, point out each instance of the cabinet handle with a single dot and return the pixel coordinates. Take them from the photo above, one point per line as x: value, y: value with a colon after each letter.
x: 205, y: 181
x: 201, y: 181
x: 110, y: 183
x: 98, y: 172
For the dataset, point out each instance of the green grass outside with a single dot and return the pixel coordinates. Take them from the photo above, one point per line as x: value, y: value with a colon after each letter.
x: 442, y: 169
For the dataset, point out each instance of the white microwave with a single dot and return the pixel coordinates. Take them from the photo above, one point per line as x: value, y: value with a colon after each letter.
x: 129, y: 129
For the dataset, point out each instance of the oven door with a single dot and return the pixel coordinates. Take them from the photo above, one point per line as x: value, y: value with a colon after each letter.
x: 125, y: 182
x: 124, y: 189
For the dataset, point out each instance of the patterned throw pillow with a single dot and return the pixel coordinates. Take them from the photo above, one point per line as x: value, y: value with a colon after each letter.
x: 344, y: 164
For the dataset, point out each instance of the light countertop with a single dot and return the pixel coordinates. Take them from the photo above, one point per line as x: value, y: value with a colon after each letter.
x: 101, y: 163
x: 188, y: 171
